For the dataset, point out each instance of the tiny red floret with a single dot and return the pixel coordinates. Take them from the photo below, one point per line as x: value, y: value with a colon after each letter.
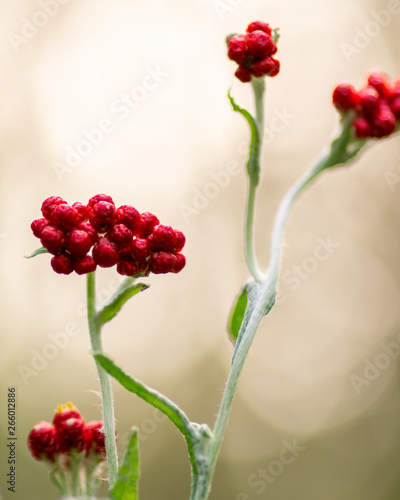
x: 85, y: 265
x: 129, y: 216
x: 71, y: 435
x: 79, y: 242
x: 103, y: 216
x: 243, y: 74
x: 62, y: 264
x: 259, y: 25
x: 38, y: 225
x: 53, y: 239
x: 237, y: 48
x: 50, y: 204
x: 42, y: 441
x: 345, y: 97
x: 260, y: 45
x: 105, y: 253
x: 147, y: 222
x: 95, y: 439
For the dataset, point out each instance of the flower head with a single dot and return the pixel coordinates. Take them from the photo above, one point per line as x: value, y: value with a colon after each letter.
x: 376, y: 106
x: 81, y: 237
x: 253, y: 52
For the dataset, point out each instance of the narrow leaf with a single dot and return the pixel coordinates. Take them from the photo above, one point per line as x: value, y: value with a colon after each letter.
x: 114, y: 305
x: 37, y: 252
x: 253, y: 163
x: 156, y: 399
x: 237, y: 316
x: 126, y: 486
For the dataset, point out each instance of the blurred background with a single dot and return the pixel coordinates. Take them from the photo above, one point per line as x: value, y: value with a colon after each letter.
x: 128, y: 98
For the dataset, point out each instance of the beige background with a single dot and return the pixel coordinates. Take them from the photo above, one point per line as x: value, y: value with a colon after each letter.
x: 298, y: 383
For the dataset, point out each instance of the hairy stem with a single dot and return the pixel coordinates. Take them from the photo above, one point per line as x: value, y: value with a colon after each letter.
x: 105, y: 382
x: 258, y: 86
x: 265, y: 294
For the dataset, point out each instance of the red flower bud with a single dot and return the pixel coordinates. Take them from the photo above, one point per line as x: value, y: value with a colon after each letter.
x: 83, y: 210
x: 42, y: 441
x: 127, y: 268
x: 147, y: 222
x: 384, y: 123
x: 259, y: 25
x: 103, y: 216
x: 85, y: 265
x: 140, y: 249
x: 260, y: 45
x: 362, y: 128
x: 380, y: 82
x: 79, y: 242
x: 345, y: 97
x: 179, y: 241
x: 162, y: 262
x: 120, y: 234
x: 64, y: 217
x: 180, y: 263
x: 38, y: 225
x: 162, y: 238
x: 50, y: 204
x: 64, y: 412
x: 100, y: 197
x: 105, y: 253
x: 369, y: 100
x: 95, y: 439
x: 53, y: 239
x: 88, y: 228
x: 129, y: 216
x: 71, y: 435
x: 62, y: 264
x: 237, y: 48
x: 266, y: 67
x: 243, y: 74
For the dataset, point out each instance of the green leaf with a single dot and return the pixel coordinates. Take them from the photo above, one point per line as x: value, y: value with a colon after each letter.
x: 156, y: 399
x: 37, y: 252
x: 237, y: 316
x: 253, y: 163
x: 125, y: 291
x: 126, y: 486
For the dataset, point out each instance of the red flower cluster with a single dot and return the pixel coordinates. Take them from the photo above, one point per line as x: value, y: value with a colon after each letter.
x: 253, y: 52
x: 376, y: 106
x: 67, y: 434
x: 82, y: 237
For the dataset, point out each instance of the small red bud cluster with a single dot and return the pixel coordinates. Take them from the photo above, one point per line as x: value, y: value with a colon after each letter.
x: 67, y: 442
x: 376, y: 106
x: 253, y: 52
x: 82, y: 237
x: 68, y: 434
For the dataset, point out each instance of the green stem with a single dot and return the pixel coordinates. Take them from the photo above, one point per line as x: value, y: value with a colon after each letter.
x: 105, y: 382
x: 258, y: 86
